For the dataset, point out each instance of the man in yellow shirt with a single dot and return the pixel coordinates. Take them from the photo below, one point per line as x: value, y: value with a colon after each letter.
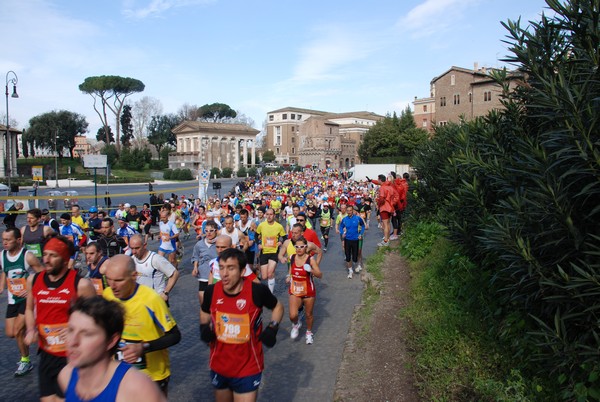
x: 271, y: 235
x: 149, y: 326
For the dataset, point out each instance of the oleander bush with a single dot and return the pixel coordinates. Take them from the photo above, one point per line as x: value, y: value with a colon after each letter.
x: 519, y: 191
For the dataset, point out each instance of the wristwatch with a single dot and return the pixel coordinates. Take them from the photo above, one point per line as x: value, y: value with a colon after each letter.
x: 166, y: 293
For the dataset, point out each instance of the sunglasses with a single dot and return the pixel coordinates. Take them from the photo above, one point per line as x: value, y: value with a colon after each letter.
x: 300, y: 220
x: 210, y: 231
x: 301, y: 246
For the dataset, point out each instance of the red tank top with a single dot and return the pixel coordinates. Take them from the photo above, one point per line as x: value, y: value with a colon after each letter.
x: 52, y: 310
x: 237, y: 352
x: 301, y: 283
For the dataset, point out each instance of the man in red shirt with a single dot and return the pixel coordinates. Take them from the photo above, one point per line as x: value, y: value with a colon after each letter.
x: 230, y: 322
x: 50, y: 294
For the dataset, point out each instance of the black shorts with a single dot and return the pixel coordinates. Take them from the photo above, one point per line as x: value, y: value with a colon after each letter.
x: 147, y: 228
x: 202, y: 286
x: 13, y: 310
x: 48, y: 370
x: 264, y: 258
x: 163, y: 385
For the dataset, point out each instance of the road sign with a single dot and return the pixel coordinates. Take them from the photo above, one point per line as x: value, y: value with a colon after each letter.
x: 204, y: 176
x: 37, y: 172
x: 94, y: 161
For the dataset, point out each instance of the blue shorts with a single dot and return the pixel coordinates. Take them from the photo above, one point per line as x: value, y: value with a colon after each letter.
x: 167, y: 252
x: 238, y: 385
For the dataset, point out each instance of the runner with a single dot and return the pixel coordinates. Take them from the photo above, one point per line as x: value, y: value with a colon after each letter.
x: 146, y: 221
x: 204, y: 251
x: 149, y: 326
x: 223, y: 242
x: 271, y: 235
x: 74, y: 233
x: 94, y: 223
x: 236, y: 355
x: 110, y: 243
x: 352, y: 228
x: 93, y: 334
x: 324, y: 216
x: 96, y: 266
x: 34, y: 234
x: 238, y: 238
x: 168, y: 237
x: 302, y: 291
x: 49, y: 295
x: 153, y: 270
x: 17, y: 264
x: 50, y: 221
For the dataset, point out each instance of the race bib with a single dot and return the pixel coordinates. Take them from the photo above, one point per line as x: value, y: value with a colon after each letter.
x: 270, y: 242
x: 324, y: 222
x: 165, y: 236
x: 298, y: 288
x: 232, y: 328
x: 36, y: 249
x: 98, y: 285
x: 51, y: 339
x: 16, y: 285
x: 135, y: 225
x: 139, y: 364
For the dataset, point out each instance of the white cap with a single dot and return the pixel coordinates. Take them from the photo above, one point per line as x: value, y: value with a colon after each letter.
x: 127, y: 205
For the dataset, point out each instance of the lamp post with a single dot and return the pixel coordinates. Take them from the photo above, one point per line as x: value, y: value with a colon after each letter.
x: 10, y: 80
x: 56, y: 159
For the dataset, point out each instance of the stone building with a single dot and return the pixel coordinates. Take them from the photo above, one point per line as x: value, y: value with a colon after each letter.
x: 203, y: 145
x: 327, y: 140
x: 460, y: 92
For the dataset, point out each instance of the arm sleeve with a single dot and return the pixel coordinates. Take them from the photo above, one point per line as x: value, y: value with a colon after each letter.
x: 262, y: 296
x: 207, y: 299
x: 170, y: 338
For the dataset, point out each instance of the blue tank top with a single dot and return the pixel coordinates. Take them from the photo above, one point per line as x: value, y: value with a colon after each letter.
x: 108, y: 394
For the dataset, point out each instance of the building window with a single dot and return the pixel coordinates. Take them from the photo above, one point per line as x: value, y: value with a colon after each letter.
x: 293, y: 140
x: 452, y: 79
x: 277, y: 151
x: 443, y: 101
x: 487, y: 96
x: 442, y: 123
x: 271, y: 117
x: 293, y: 150
x: 293, y: 116
x: 424, y: 108
x: 284, y: 116
x: 299, y: 117
x: 293, y: 128
x: 277, y: 135
x: 424, y: 122
x: 457, y: 99
x: 470, y: 97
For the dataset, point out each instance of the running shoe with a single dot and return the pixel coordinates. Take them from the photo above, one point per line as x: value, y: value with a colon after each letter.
x: 295, y: 330
x: 358, y: 268
x: 349, y: 273
x: 309, y: 338
x: 384, y: 244
x: 24, y: 368
x: 324, y: 249
x: 394, y: 237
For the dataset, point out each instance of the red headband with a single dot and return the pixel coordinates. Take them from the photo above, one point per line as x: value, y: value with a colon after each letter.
x: 59, y: 247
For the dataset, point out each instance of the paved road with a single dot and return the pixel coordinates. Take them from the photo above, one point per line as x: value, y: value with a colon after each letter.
x: 294, y: 371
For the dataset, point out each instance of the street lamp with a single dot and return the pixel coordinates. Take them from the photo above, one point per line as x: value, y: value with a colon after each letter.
x: 14, y: 80
x: 56, y: 159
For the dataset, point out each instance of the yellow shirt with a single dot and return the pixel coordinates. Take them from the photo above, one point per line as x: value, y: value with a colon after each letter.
x: 147, y: 318
x: 269, y: 236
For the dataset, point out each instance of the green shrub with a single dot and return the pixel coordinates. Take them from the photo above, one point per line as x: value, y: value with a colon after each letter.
x: 419, y: 239
x: 242, y: 172
x: 159, y: 164
x: 168, y: 174
x: 215, y: 172
x: 227, y: 172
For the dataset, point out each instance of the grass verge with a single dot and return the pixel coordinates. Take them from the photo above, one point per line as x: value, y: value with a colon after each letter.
x: 370, y: 297
x: 456, y: 359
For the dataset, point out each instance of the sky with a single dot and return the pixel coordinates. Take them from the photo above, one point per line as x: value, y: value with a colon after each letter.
x: 256, y: 56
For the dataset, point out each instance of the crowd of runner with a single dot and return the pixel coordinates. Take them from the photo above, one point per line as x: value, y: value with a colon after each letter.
x: 240, y: 239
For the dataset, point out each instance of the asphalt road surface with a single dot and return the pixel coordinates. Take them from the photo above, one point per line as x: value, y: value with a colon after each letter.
x: 294, y: 371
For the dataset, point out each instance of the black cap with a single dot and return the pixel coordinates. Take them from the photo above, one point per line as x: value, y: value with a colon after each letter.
x: 45, y: 211
x: 66, y: 216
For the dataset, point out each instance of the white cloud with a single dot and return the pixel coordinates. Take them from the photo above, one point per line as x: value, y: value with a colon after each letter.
x: 325, y: 57
x: 433, y: 16
x: 156, y: 7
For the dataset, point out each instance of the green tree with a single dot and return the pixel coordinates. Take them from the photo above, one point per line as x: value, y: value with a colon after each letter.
x: 101, y: 135
x: 111, y: 154
x: 406, y: 120
x: 160, y: 131
x: 216, y: 112
x: 411, y: 139
x: 227, y: 172
x: 381, y: 140
x: 268, y: 156
x: 126, y: 126
x: 111, y: 91
x: 56, y: 127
